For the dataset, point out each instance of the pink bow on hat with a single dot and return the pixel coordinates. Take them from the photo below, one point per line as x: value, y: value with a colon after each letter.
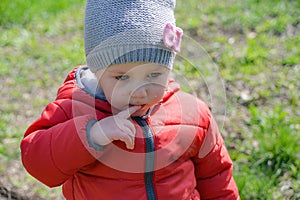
x: 172, y: 37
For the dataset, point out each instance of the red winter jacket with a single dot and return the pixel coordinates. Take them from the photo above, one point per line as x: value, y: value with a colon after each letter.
x: 179, y: 153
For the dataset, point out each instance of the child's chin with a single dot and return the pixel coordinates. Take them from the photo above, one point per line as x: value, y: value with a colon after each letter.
x: 139, y: 113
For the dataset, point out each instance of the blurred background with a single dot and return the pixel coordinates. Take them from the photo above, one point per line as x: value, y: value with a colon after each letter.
x: 254, y: 46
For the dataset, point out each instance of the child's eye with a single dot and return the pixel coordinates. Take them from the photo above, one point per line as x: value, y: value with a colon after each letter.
x: 153, y: 75
x: 122, y: 77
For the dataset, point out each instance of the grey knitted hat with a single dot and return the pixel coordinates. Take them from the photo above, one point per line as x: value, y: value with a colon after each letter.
x: 123, y: 31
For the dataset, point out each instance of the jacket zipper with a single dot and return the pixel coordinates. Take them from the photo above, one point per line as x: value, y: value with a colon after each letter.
x: 150, y: 157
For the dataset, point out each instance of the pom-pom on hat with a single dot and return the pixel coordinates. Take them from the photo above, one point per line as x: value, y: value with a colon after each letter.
x: 123, y: 31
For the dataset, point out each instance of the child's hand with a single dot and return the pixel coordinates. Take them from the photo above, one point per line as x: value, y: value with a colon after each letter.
x: 116, y: 127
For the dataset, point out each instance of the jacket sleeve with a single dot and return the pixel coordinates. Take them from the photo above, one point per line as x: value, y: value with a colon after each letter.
x: 213, y: 167
x: 55, y: 146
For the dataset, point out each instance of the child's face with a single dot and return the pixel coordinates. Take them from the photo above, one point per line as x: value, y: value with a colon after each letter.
x: 132, y: 84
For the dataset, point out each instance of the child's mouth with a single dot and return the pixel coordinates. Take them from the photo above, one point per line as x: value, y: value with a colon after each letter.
x: 141, y: 105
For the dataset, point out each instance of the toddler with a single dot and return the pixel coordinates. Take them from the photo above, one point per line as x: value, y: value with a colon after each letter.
x: 120, y: 127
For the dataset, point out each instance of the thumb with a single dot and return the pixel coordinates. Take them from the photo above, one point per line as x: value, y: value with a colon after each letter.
x: 126, y: 113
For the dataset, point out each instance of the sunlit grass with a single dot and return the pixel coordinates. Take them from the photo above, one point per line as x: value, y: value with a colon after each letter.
x: 254, y: 44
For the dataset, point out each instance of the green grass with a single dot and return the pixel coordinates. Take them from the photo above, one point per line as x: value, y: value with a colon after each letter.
x: 270, y: 154
x: 26, y: 12
x: 253, y: 45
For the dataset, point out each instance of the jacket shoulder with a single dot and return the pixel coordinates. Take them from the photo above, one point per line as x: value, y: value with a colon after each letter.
x: 190, y: 109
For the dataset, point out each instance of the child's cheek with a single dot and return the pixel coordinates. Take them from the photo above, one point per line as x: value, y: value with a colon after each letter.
x: 119, y: 98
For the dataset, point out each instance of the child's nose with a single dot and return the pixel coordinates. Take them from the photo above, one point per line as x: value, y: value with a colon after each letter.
x: 140, y: 92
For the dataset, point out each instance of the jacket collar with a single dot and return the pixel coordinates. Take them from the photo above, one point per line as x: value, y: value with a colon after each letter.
x: 87, y: 81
